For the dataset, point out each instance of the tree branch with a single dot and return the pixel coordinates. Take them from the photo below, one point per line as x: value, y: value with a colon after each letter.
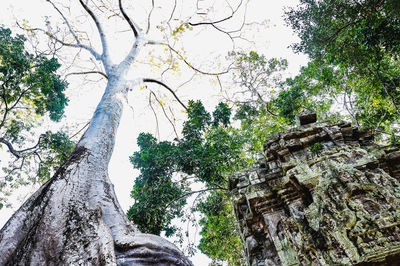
x: 149, y: 17
x: 128, y: 19
x: 194, y: 68
x: 105, y: 55
x: 66, y: 21
x: 10, y: 147
x: 15, y: 168
x: 3, y: 96
x: 87, y: 72
x: 194, y: 192
x: 16, y: 153
x: 136, y: 45
x: 172, y: 12
x: 80, y: 130
x: 125, y: 64
x: 352, y: 23
x: 19, y: 98
x: 217, y: 21
x: 155, y: 115
x: 168, y: 88
x: 95, y: 54
x: 165, y: 114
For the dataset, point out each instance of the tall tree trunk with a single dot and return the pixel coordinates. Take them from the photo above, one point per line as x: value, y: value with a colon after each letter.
x: 75, y: 218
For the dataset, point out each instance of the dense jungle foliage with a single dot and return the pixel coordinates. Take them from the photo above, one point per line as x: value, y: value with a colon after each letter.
x: 353, y: 74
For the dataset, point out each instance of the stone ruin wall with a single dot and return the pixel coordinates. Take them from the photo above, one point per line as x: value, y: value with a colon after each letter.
x: 323, y: 194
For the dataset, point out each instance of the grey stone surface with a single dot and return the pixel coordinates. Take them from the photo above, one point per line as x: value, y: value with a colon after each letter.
x: 324, y: 194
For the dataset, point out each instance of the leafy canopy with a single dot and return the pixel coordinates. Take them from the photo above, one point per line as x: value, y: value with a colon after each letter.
x: 208, y: 150
x: 29, y: 89
x: 355, y: 49
x: 28, y: 80
x: 354, y: 68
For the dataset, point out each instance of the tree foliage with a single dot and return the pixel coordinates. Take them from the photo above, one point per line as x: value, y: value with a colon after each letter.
x: 354, y: 68
x: 354, y: 52
x: 99, y: 218
x: 28, y: 81
x: 208, y: 151
x: 30, y: 88
x: 154, y: 188
x: 220, y: 239
x: 355, y: 49
x: 257, y: 76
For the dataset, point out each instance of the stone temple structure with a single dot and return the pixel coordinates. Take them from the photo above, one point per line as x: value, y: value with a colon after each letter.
x: 323, y: 194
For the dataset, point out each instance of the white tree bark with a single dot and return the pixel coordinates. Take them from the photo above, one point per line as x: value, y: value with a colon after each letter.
x: 75, y: 218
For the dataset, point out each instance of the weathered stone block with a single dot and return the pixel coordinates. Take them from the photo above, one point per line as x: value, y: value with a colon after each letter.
x: 347, y: 131
x: 336, y: 205
x: 294, y: 144
x: 306, y: 118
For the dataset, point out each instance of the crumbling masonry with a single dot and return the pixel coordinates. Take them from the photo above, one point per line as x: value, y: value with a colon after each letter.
x: 324, y: 194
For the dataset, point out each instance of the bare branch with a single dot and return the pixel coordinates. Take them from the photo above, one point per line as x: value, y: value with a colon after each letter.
x: 187, y: 81
x: 105, y: 55
x: 95, y: 54
x: 87, y: 72
x: 66, y: 21
x: 227, y: 33
x: 218, y: 21
x: 194, y: 192
x: 155, y: 115
x: 173, y: 115
x: 219, y: 28
x: 219, y: 82
x: 165, y: 114
x: 136, y: 45
x: 172, y: 13
x: 168, y: 88
x: 194, y: 68
x: 149, y: 17
x: 80, y: 130
x: 128, y: 19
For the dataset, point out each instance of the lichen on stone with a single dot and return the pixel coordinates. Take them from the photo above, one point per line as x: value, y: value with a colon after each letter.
x: 324, y: 194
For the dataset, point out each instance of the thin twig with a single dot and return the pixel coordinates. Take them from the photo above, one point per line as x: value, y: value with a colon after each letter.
x: 95, y: 54
x: 217, y: 21
x: 80, y: 130
x: 194, y: 68
x: 193, y: 192
x: 155, y: 115
x: 66, y: 21
x: 165, y: 114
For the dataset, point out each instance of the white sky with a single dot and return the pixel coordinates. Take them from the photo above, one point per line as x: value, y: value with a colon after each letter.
x: 272, y: 41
